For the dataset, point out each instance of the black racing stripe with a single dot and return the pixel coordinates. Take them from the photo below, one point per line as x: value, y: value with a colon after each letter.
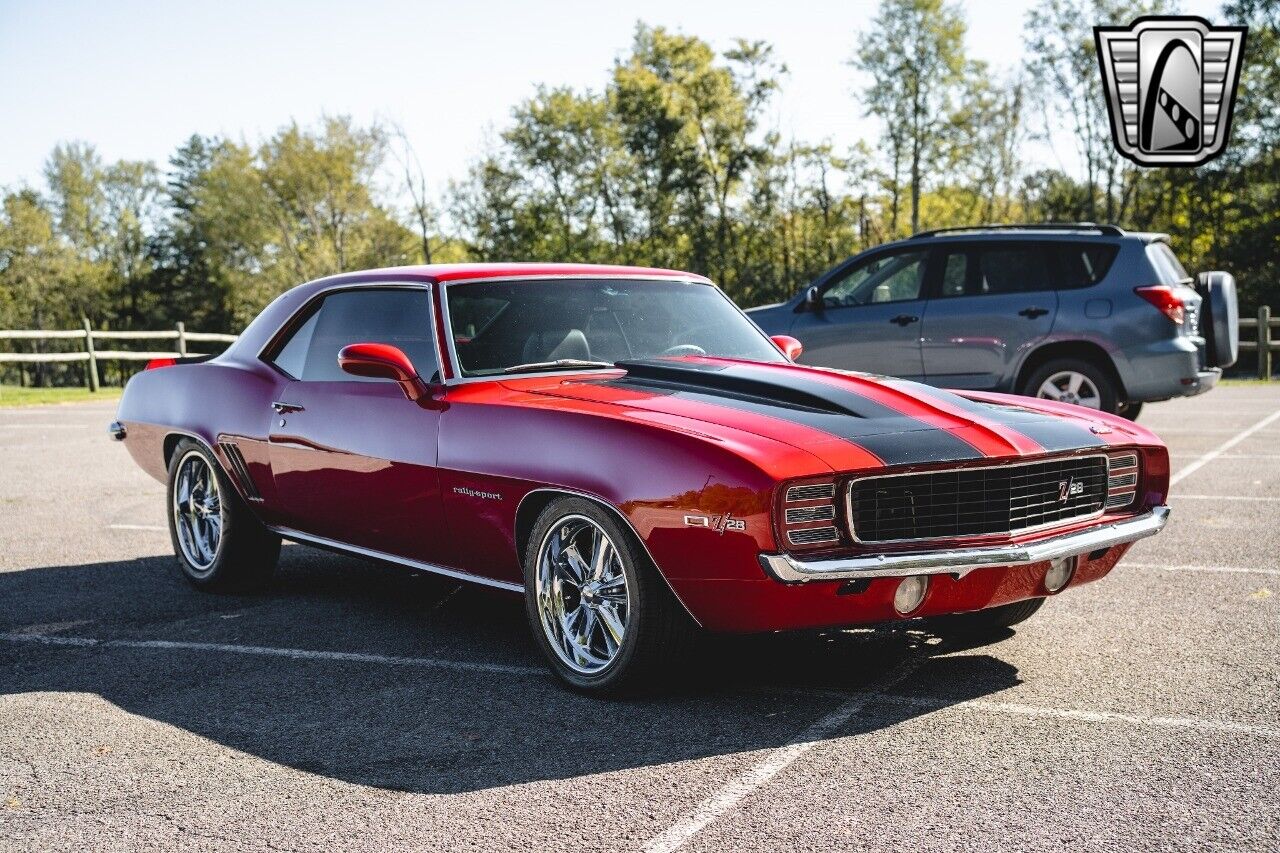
x: 895, y: 438
x: 1051, y: 432
x: 759, y: 381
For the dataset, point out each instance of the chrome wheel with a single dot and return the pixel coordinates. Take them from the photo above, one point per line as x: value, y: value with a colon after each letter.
x: 197, y: 512
x: 582, y: 595
x: 1068, y: 386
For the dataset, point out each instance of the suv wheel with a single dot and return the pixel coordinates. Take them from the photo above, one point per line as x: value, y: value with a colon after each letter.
x: 1070, y: 380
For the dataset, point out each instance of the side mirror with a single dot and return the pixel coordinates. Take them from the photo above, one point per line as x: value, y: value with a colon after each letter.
x: 790, y: 347
x: 383, y: 361
x: 813, y: 299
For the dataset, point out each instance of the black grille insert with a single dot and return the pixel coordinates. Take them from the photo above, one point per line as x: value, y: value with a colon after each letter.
x: 977, y: 501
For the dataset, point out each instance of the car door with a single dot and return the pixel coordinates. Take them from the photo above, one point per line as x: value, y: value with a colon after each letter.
x: 868, y: 317
x: 992, y: 302
x: 353, y: 460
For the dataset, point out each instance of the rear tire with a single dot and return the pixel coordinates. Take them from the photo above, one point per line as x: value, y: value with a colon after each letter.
x: 1073, y: 380
x: 993, y: 620
x: 219, y: 543
x: 607, y: 625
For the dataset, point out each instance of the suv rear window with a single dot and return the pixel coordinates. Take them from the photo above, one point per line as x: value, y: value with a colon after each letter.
x: 1084, y: 264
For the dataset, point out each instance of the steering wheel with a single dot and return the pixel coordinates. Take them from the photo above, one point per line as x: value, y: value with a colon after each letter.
x: 684, y: 349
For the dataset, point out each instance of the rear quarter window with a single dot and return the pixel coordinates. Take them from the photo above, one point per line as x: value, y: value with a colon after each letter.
x: 1084, y: 264
x: 1169, y: 269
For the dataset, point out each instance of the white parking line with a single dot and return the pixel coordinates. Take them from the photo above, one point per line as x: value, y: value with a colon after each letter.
x: 1017, y: 709
x: 1191, y: 468
x: 773, y: 763
x: 274, y: 651
x: 1228, y: 455
x: 1247, y: 570
x: 1256, y: 498
x: 137, y: 527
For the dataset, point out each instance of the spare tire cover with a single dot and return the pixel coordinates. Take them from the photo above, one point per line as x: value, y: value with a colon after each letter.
x: 1220, y: 320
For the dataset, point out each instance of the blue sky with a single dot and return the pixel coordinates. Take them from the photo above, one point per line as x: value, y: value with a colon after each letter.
x: 136, y: 78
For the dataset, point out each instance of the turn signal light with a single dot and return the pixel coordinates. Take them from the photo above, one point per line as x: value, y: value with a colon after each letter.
x: 1163, y: 297
x: 809, y: 515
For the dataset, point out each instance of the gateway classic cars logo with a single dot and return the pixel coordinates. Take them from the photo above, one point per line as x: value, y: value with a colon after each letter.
x: 1171, y: 83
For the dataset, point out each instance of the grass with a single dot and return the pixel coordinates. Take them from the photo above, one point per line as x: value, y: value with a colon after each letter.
x: 1242, y: 380
x: 11, y: 396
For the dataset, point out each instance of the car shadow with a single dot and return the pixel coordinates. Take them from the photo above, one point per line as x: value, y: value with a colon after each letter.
x: 454, y: 697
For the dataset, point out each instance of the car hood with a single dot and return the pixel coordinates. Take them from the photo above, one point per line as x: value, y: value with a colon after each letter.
x: 849, y: 420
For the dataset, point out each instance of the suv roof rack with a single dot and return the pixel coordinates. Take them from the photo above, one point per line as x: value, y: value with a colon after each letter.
x: 1109, y: 230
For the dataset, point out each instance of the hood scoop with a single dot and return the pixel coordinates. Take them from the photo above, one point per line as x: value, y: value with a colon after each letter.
x: 726, y: 381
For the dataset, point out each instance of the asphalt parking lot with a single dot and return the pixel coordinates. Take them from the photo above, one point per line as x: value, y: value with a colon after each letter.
x: 354, y: 706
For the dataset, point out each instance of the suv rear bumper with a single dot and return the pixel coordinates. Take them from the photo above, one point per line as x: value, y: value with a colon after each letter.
x: 1164, y: 369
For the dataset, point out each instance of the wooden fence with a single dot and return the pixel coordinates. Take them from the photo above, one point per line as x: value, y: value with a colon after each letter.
x: 1262, y: 343
x: 91, y: 355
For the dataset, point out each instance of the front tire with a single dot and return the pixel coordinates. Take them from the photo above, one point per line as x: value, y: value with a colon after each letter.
x: 220, y: 545
x: 602, y: 615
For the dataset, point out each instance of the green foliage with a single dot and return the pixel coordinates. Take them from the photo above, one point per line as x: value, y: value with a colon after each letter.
x: 671, y: 163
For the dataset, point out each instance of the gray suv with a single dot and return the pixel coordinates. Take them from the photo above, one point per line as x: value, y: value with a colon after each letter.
x: 1083, y: 313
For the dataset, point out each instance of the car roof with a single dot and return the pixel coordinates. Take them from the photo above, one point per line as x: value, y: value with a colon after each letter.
x: 516, y: 271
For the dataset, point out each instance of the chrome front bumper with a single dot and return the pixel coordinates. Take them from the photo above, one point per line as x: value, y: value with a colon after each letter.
x: 961, y: 561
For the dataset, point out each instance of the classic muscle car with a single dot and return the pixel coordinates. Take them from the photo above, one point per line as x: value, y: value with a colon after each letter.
x: 627, y: 450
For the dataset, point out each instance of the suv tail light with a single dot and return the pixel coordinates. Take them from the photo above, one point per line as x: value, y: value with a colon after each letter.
x: 1163, y: 297
x: 807, y: 517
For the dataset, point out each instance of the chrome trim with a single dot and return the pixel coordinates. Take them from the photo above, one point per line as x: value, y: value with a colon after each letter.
x: 812, y: 535
x: 808, y: 514
x: 853, y: 533
x: 459, y: 379
x: 826, y: 491
x: 961, y: 561
x: 308, y: 539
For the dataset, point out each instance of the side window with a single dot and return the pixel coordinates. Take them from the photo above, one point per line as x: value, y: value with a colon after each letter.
x: 292, y: 357
x: 955, y: 273
x: 401, y: 318
x: 1084, y: 264
x: 1019, y: 268
x: 887, y: 278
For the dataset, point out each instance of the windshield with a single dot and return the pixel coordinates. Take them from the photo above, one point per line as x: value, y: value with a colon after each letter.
x: 503, y: 327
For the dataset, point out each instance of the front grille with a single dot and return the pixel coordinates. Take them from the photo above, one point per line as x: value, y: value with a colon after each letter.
x: 989, y: 501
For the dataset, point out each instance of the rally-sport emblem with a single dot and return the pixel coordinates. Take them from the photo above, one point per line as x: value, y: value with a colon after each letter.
x: 1171, y: 83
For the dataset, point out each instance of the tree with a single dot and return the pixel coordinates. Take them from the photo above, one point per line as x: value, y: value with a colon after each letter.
x: 914, y: 55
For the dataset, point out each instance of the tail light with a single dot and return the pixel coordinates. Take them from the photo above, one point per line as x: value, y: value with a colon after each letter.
x: 1165, y: 299
x: 1122, y: 478
x: 808, y: 515
x: 160, y: 362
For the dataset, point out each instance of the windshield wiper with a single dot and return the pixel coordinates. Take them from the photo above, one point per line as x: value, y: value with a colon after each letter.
x: 558, y: 364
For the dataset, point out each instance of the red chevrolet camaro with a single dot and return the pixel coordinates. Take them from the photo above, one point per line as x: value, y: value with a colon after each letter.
x: 625, y: 448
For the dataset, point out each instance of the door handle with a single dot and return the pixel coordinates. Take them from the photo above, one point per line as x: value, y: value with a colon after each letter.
x: 282, y: 408
x: 1032, y: 313
x: 905, y: 319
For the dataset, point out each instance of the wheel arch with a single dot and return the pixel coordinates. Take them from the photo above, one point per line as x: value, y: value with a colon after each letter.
x: 536, y: 500
x: 1078, y: 349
